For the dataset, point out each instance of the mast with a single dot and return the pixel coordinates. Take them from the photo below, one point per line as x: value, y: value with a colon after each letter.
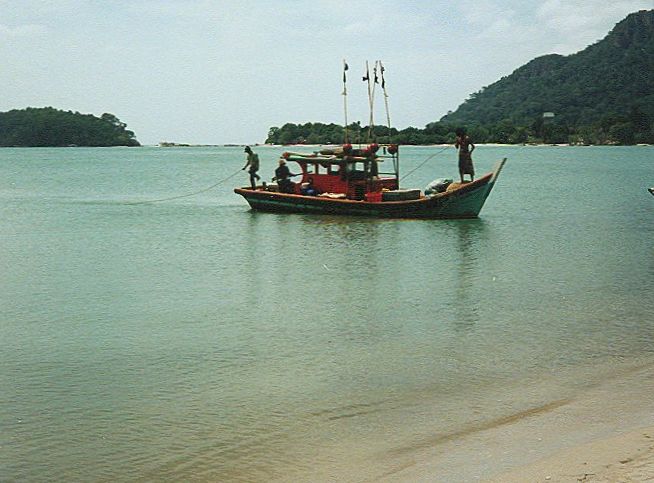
x: 345, y: 68
x: 372, y: 101
x: 383, y: 86
x: 396, y: 155
x: 371, y: 90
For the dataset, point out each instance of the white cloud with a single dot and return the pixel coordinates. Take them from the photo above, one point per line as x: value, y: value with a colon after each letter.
x: 38, y: 8
x: 573, y: 24
x: 484, y: 13
x: 21, y: 31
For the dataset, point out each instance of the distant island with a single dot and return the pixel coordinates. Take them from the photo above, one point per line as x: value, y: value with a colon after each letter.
x: 50, y: 127
x: 601, y: 95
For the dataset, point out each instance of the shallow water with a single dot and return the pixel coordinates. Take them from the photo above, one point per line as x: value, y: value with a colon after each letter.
x: 194, y: 339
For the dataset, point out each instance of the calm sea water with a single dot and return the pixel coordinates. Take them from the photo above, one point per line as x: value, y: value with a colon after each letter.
x: 194, y: 339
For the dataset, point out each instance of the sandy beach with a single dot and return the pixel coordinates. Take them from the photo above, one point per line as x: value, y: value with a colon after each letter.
x: 624, y: 458
x: 605, y: 434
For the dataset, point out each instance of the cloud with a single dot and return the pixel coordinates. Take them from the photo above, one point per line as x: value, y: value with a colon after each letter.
x: 483, y: 14
x: 574, y: 24
x: 541, y: 27
x: 21, y: 31
x: 572, y: 15
x: 13, y: 10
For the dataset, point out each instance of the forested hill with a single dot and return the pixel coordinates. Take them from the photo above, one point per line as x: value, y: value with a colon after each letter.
x: 601, y: 95
x: 47, y: 126
x: 611, y: 78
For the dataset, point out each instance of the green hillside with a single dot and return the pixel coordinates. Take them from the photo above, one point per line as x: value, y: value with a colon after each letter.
x: 47, y: 126
x: 610, y: 83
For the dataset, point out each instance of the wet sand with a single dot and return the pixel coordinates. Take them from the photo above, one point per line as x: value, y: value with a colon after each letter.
x: 603, y: 434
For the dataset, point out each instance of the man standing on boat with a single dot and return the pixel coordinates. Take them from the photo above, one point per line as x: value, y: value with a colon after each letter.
x: 253, y: 162
x: 465, y: 147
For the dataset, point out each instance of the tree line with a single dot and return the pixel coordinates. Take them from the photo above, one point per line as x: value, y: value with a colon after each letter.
x: 50, y: 127
x: 635, y: 127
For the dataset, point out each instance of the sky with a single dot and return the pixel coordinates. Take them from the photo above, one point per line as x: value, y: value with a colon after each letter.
x: 216, y: 72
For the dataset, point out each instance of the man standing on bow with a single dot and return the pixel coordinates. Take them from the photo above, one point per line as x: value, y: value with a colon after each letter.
x: 253, y: 163
x: 465, y: 147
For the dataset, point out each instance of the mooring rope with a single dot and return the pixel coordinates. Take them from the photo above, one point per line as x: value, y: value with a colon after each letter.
x: 188, y: 194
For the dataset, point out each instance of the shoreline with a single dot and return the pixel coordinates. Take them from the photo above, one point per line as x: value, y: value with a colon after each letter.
x: 313, y: 146
x: 603, y: 434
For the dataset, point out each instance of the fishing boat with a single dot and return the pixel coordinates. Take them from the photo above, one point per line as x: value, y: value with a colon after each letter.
x: 346, y: 181
x: 352, y: 181
x: 651, y: 190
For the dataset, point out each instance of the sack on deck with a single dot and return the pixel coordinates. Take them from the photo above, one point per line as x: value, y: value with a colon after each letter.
x: 437, y: 186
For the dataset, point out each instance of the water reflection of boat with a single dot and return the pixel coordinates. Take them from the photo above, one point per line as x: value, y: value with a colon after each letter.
x: 345, y: 181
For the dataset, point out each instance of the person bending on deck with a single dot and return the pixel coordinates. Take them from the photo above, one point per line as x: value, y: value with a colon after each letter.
x: 309, y: 189
x: 283, y: 177
x: 465, y: 147
x: 253, y: 163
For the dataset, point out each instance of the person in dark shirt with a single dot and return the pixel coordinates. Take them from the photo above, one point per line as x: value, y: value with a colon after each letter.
x: 283, y: 177
x: 253, y: 163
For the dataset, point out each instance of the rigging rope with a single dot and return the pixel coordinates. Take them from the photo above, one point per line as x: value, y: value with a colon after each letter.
x: 423, y: 163
x: 440, y: 151
x: 186, y: 195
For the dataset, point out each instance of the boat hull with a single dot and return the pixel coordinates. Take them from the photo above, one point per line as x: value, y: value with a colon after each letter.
x: 464, y: 202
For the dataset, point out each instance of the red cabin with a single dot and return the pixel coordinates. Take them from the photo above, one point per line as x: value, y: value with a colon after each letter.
x: 359, y: 174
